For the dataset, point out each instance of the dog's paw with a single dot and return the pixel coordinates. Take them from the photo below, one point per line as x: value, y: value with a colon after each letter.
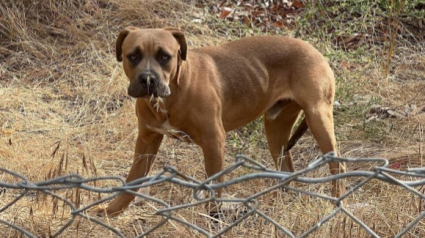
x: 104, y: 212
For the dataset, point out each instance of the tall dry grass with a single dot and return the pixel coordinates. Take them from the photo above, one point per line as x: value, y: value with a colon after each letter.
x: 63, y: 110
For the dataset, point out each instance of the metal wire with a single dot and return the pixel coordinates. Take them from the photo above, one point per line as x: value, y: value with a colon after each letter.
x: 171, y: 175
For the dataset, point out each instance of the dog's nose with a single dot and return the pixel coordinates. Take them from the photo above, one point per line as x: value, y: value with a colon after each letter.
x: 147, y: 78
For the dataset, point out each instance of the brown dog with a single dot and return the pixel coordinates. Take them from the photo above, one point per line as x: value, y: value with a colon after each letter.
x: 199, y: 95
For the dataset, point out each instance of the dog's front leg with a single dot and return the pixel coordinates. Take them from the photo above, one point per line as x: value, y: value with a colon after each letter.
x: 147, y: 146
x: 213, y: 148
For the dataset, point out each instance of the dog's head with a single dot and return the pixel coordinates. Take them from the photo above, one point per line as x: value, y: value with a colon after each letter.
x: 150, y: 59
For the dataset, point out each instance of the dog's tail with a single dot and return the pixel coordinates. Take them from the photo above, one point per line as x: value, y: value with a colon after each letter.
x: 302, y: 128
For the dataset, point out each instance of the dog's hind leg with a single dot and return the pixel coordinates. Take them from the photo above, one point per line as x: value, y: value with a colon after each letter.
x: 278, y: 131
x: 320, y: 121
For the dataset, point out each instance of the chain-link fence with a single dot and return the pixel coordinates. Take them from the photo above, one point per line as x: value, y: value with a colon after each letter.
x: 204, y: 192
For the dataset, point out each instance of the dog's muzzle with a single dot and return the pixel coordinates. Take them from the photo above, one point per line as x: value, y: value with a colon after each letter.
x: 148, y: 84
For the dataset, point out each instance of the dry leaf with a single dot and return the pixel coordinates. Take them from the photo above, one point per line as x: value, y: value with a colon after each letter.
x: 297, y: 4
x: 226, y: 12
x: 396, y: 165
x: 247, y: 21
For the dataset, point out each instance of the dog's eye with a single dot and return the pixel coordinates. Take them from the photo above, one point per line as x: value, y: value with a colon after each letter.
x: 164, y: 58
x: 133, y: 58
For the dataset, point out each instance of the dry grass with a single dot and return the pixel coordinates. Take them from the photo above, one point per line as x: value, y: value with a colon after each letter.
x: 63, y: 110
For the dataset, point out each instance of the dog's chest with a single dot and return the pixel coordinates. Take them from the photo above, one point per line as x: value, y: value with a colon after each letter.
x: 167, y: 129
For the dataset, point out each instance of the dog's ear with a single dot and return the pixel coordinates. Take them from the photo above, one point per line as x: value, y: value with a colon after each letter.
x: 123, y: 34
x: 181, y: 39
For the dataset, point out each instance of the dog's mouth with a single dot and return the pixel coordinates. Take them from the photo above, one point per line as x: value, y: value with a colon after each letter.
x: 154, y: 89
